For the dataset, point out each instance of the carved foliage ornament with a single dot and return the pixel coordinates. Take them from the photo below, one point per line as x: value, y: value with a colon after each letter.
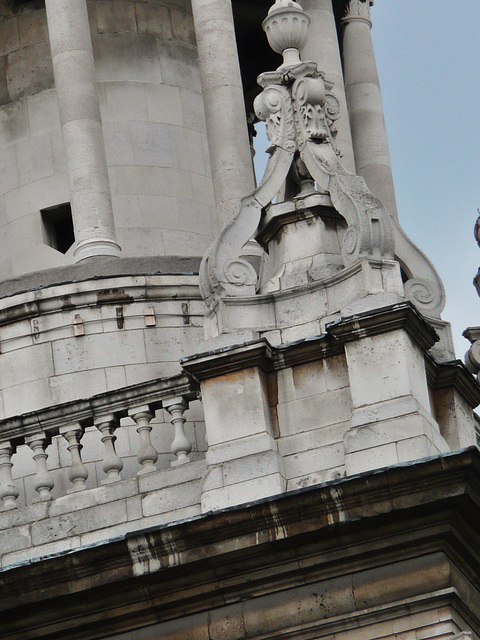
x: 299, y: 116
x: 358, y: 9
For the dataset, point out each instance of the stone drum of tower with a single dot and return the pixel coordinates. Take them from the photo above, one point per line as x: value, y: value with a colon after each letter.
x: 153, y: 127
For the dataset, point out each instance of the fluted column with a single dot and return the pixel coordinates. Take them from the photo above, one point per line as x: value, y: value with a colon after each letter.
x: 228, y: 142
x: 323, y: 48
x: 73, y: 68
x: 370, y: 144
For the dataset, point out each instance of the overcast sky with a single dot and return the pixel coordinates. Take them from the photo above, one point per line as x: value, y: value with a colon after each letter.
x: 428, y: 58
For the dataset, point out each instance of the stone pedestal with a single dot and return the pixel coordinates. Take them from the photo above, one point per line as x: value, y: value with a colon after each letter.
x: 392, y: 419
x: 242, y: 458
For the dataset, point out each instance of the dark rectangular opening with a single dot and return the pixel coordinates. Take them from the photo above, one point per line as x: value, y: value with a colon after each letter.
x: 58, y: 227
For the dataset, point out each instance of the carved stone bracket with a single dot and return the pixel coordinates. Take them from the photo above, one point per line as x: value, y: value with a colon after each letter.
x: 299, y: 114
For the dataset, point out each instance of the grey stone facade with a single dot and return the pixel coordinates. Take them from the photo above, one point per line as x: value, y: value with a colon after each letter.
x: 228, y: 410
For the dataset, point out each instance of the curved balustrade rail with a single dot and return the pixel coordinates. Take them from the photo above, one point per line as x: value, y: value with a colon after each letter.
x: 104, y: 412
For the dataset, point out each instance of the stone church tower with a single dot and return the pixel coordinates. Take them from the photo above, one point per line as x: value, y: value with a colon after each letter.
x: 228, y: 410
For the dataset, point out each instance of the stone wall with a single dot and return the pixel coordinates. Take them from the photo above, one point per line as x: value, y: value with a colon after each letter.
x: 154, y: 130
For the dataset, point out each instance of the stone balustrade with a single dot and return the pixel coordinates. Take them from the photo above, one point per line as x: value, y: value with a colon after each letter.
x: 102, y: 413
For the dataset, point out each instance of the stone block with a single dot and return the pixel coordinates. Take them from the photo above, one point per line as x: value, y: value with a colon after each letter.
x: 226, y: 623
x: 314, y: 460
x: 242, y: 492
x: 242, y: 396
x: 79, y: 522
x: 32, y: 27
x: 201, y: 189
x: 14, y: 123
x: 115, y: 378
x: 182, y: 26
x: 153, y: 20
x: 164, y: 104
x: 369, y: 459
x: 34, y: 158
x: 151, y: 145
x: 98, y: 351
x: 415, y: 449
x: 9, y: 37
x: 124, y: 102
x: 29, y: 70
x: 35, y: 196
x: 43, y: 112
x: 8, y: 171
x: 240, y: 448
x: 126, y: 211
x: 314, y: 412
x: 172, y: 498
x: 245, y: 469
x: 118, y: 143
x: 179, y: 65
x: 15, y: 539
x: 312, y: 439
x: 193, y: 110
x: 117, y: 17
x: 299, y: 606
x: 171, y: 477
x: 127, y: 58
x: 103, y: 495
x: 386, y: 366
x: 35, y: 553
x: 187, y: 150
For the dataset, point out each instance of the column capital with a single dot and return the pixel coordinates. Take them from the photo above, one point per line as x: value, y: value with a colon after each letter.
x: 358, y: 10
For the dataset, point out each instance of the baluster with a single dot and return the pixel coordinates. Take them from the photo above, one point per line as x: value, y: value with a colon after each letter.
x: 112, y: 465
x: 77, y: 473
x: 181, y: 445
x: 147, y: 454
x: 8, y: 491
x: 43, y: 484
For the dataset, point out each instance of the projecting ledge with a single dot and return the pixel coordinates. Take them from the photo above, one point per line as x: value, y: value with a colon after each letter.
x: 387, y: 536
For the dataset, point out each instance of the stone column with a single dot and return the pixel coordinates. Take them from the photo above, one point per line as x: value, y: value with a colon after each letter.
x: 73, y: 68
x: 228, y: 142
x: 370, y: 144
x: 323, y: 48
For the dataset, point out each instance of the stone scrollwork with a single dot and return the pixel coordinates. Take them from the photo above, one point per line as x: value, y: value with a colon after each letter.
x: 299, y: 113
x: 223, y: 271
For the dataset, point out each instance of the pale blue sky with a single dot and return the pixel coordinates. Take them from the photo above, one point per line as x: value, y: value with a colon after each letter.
x: 428, y: 58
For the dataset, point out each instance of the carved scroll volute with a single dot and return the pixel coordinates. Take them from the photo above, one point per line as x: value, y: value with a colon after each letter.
x: 369, y: 232
x: 223, y: 271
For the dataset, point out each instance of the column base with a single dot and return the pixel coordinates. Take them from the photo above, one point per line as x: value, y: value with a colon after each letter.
x: 96, y: 247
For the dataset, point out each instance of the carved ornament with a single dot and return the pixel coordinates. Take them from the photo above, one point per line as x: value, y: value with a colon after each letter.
x: 300, y: 115
x: 358, y: 10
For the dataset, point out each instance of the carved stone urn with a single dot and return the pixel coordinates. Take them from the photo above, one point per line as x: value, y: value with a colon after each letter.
x: 286, y: 26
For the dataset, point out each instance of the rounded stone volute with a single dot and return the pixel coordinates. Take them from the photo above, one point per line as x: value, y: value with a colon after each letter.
x: 286, y: 26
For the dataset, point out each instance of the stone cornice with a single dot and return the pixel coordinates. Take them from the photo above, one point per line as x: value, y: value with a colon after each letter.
x: 371, y: 323
x: 421, y: 510
x: 261, y: 353
x: 453, y: 374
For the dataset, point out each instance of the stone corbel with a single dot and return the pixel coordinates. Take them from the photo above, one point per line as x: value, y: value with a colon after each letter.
x: 223, y: 271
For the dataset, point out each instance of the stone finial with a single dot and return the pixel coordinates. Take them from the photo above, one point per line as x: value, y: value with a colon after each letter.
x: 358, y: 10
x: 286, y: 26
